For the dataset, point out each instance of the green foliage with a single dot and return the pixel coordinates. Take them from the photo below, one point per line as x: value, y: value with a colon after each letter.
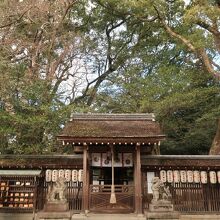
x: 166, y: 75
x: 33, y: 65
x: 184, y: 97
x: 130, y: 63
x: 35, y: 118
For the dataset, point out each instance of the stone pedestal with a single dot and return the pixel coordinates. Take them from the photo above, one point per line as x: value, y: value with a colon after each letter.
x: 56, y: 207
x: 162, y: 216
x: 162, y: 210
x: 54, y: 215
x: 161, y: 206
x: 55, y: 211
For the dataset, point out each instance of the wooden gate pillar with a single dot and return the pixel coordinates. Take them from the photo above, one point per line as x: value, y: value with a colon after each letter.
x: 137, y: 179
x: 85, y: 197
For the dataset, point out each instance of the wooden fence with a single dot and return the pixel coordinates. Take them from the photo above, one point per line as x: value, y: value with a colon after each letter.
x: 191, y: 197
x: 196, y: 197
x: 74, y: 194
x: 186, y: 197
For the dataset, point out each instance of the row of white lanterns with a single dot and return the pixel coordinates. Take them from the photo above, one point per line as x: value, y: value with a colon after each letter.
x: 69, y: 175
x: 189, y: 176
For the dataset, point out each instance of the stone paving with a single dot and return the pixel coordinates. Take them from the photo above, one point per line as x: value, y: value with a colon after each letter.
x: 8, y: 216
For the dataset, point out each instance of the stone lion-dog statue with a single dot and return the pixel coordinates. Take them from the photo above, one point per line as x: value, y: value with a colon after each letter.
x: 57, y: 193
x: 160, y: 191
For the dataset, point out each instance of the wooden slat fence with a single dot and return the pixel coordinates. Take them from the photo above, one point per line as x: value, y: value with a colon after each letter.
x: 74, y: 194
x: 190, y: 197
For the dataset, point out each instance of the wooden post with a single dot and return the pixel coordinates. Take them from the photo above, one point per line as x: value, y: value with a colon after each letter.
x: 137, y: 179
x: 85, y: 179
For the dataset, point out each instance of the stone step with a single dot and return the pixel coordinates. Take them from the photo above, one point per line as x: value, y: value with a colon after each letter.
x: 201, y: 217
x: 16, y: 216
x: 108, y: 217
x: 92, y: 216
x: 20, y: 216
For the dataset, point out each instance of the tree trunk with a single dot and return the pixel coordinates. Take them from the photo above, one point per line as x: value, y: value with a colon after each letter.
x: 215, y: 148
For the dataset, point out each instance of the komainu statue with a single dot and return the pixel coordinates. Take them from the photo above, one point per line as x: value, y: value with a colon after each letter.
x: 160, y: 191
x: 57, y: 193
x: 161, y: 206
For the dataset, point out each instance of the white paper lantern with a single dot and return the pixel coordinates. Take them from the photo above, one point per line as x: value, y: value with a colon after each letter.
x: 74, y: 175
x: 218, y: 175
x: 67, y: 175
x: 176, y: 176
x: 169, y: 176
x: 196, y: 175
x: 204, y: 177
x: 61, y: 173
x: 189, y: 176
x: 48, y: 175
x: 163, y: 176
x: 183, y: 176
x: 213, y: 177
x: 80, y: 176
x: 54, y: 175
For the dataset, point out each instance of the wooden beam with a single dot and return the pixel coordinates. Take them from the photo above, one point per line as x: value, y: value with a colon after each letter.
x: 137, y: 179
x: 85, y: 179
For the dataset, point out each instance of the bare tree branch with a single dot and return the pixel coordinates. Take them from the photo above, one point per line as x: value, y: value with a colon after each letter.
x: 199, y: 52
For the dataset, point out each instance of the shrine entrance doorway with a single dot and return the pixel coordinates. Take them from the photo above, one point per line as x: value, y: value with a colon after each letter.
x: 101, y: 188
x: 103, y: 176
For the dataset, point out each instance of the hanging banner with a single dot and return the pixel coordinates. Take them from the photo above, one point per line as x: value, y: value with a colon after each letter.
x: 54, y: 175
x: 80, y: 176
x: 106, y: 160
x: 169, y: 176
x: 218, y: 176
x: 118, y: 160
x: 74, y: 175
x: 213, y: 177
x: 196, y: 175
x: 204, y: 177
x: 163, y: 176
x: 183, y: 176
x: 176, y: 176
x: 67, y: 175
x: 127, y: 160
x: 48, y: 175
x: 189, y: 176
x: 96, y: 159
